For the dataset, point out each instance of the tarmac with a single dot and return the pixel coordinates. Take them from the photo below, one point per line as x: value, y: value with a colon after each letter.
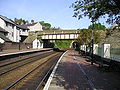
x: 74, y: 72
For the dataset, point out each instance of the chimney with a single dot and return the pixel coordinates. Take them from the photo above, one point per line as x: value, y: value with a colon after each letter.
x: 32, y: 21
x: 27, y: 22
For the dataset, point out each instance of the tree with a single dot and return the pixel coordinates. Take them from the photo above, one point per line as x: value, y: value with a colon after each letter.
x: 32, y: 21
x: 95, y: 9
x: 46, y: 26
x: 62, y: 43
x: 42, y: 22
x: 97, y: 26
x: 85, y: 35
x: 20, y: 21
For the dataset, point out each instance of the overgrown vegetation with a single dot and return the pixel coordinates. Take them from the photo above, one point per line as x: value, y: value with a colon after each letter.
x: 63, y: 44
x: 20, y: 21
x: 97, y: 26
x: 45, y: 26
x: 85, y: 37
x: 95, y: 9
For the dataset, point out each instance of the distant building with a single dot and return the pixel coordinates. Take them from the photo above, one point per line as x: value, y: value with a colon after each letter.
x: 34, y: 26
x: 115, y: 26
x: 36, y: 43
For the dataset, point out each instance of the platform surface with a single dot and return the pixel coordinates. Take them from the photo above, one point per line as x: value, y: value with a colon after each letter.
x: 75, y: 73
x: 8, y: 52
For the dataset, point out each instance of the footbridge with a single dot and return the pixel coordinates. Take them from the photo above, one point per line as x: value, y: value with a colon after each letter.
x: 43, y: 39
x: 59, y: 34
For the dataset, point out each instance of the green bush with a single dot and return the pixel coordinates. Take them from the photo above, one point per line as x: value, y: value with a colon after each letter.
x: 62, y: 44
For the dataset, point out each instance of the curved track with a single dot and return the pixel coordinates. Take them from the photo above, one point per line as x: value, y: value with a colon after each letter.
x: 9, y: 66
x: 25, y: 75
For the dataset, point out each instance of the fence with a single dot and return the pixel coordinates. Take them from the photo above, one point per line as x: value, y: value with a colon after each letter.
x: 15, y: 45
x: 114, y: 53
x: 104, y: 53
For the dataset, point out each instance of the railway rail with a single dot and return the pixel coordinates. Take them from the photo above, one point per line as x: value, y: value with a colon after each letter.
x: 8, y: 60
x: 5, y: 68
x: 37, y: 70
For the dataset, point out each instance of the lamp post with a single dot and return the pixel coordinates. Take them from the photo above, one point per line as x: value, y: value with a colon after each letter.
x: 19, y: 39
x: 37, y: 40
x: 92, y: 37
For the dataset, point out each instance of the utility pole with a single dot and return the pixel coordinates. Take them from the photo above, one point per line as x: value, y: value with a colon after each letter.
x: 37, y: 40
x: 19, y: 39
x: 92, y: 36
x: 92, y: 42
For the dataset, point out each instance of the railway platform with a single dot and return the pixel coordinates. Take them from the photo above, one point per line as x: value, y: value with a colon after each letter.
x: 12, y: 52
x: 73, y: 72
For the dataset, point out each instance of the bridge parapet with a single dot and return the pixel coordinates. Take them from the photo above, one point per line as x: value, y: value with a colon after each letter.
x: 58, y: 34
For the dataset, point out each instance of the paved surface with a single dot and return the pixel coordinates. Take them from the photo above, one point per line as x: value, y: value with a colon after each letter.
x: 14, y: 51
x: 75, y: 73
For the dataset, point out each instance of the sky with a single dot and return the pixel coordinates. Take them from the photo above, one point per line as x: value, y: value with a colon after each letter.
x: 56, y: 12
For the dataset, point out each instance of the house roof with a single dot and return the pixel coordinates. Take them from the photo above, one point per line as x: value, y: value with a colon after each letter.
x: 114, y: 26
x: 30, y: 39
x: 7, y: 20
x: 3, y: 30
x: 4, y: 38
x: 23, y: 27
x: 30, y: 24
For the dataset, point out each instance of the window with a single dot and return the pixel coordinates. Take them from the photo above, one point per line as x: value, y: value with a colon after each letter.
x: 12, y: 34
x: 6, y: 24
x: 18, y: 28
x: 6, y: 34
x: 23, y: 30
x: 13, y: 26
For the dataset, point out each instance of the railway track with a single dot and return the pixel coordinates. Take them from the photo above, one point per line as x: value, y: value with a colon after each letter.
x: 20, y: 58
x: 29, y: 76
x: 7, y: 67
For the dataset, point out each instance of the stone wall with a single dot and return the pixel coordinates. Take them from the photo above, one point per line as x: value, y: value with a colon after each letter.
x: 14, y: 45
x: 113, y: 39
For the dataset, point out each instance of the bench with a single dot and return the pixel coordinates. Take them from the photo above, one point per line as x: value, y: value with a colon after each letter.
x: 101, y: 64
x: 88, y: 58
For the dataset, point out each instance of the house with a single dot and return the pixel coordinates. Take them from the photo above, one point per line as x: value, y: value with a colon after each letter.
x: 3, y: 37
x: 16, y: 33
x: 3, y: 31
x: 12, y: 32
x: 34, y: 26
x: 115, y: 26
x: 36, y: 43
x: 23, y: 32
x: 10, y: 27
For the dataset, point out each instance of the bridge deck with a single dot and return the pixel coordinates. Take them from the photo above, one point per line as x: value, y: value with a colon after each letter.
x: 59, y: 32
x: 75, y: 73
